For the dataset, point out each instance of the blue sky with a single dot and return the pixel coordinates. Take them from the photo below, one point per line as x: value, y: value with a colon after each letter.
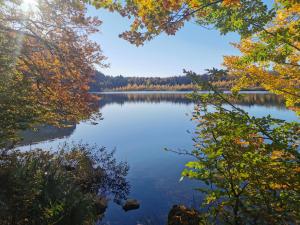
x: 193, y: 47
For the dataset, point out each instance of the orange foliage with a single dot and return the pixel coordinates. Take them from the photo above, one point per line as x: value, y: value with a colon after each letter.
x: 57, y: 56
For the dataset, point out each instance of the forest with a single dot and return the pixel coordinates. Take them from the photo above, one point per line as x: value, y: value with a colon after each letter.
x: 103, y: 82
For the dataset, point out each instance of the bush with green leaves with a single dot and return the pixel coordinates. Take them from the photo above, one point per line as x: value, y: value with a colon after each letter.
x: 64, y: 187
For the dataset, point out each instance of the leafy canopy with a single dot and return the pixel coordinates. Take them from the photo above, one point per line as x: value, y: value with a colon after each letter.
x: 249, y: 166
x: 47, y: 62
x: 152, y: 17
x: 271, y: 57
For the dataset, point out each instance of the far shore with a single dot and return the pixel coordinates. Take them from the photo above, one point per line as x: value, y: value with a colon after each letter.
x: 174, y: 91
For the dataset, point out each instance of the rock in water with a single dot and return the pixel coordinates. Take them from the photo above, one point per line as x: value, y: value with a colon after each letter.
x: 101, y: 205
x: 131, y: 204
x: 181, y: 215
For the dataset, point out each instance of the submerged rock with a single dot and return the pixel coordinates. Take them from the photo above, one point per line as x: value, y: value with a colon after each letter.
x: 181, y: 215
x: 131, y: 204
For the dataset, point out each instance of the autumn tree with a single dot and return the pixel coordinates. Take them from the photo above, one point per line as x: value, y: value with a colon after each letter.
x: 271, y: 57
x: 249, y: 166
x: 47, y: 62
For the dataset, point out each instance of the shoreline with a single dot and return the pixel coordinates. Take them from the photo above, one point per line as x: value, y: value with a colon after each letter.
x: 173, y: 91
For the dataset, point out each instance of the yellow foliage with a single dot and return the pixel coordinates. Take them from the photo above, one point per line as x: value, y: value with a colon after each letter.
x: 278, y: 186
x: 231, y: 2
x: 271, y: 57
x: 277, y: 154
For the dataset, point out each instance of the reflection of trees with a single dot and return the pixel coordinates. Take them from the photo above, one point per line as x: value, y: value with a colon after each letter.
x: 66, y: 187
x: 268, y: 100
x: 45, y: 133
x: 121, y: 98
x: 248, y: 99
x: 49, y: 133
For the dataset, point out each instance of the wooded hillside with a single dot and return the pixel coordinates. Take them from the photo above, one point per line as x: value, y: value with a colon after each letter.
x: 180, y: 83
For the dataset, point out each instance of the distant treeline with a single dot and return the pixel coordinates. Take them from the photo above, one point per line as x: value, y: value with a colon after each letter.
x: 174, y: 83
x: 103, y: 82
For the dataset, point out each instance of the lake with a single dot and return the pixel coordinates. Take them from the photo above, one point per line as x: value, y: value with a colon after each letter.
x: 139, y: 125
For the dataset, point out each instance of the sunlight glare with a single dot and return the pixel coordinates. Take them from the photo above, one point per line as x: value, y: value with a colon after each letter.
x: 29, y: 5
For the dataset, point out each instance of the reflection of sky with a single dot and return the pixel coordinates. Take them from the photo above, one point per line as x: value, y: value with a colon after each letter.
x: 146, y: 113
x: 139, y: 132
x: 278, y: 113
x: 153, y: 117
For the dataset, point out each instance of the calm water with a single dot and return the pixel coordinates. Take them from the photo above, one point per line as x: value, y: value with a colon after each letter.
x: 139, y: 126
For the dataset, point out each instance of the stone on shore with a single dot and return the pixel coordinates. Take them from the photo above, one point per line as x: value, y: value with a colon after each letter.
x: 181, y: 215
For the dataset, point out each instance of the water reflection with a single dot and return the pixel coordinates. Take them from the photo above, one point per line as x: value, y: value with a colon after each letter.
x: 50, y: 133
x: 45, y: 133
x: 248, y: 98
